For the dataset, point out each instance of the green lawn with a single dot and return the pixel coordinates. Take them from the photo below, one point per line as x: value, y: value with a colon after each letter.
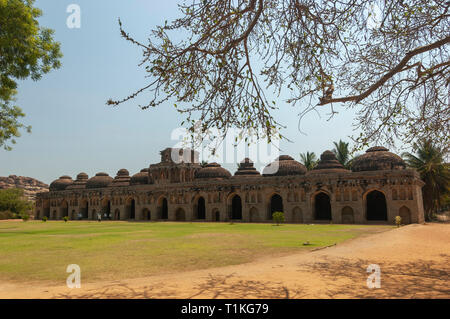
x: 38, y: 251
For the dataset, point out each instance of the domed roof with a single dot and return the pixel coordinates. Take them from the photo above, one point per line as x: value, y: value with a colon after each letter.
x: 328, y: 164
x: 61, y: 183
x: 283, y: 166
x: 140, y: 178
x: 246, y: 168
x: 80, y: 182
x: 377, y: 158
x: 100, y: 180
x: 122, y: 178
x: 212, y: 170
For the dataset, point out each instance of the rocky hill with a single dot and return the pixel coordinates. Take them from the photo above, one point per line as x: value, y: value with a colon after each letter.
x: 30, y: 185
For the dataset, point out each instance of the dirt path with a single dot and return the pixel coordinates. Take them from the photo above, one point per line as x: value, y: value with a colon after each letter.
x: 414, y: 261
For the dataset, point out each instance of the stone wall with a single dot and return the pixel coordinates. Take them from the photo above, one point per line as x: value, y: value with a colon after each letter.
x: 348, y: 193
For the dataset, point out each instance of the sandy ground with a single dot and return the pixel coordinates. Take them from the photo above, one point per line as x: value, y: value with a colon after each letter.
x: 414, y: 262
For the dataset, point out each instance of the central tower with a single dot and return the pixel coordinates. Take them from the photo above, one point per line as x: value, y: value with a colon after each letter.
x: 177, y: 166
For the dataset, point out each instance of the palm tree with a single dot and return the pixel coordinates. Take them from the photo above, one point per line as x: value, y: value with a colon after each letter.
x: 429, y: 162
x: 309, y: 160
x: 342, y: 153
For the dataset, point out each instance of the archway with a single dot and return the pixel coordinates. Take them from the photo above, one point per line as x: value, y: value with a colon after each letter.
x: 276, y: 205
x: 217, y: 216
x: 236, y: 207
x: 64, y: 210
x: 201, y: 208
x: 347, y: 215
x: 180, y: 215
x: 405, y: 214
x: 163, y: 208
x: 84, y: 209
x: 46, y: 211
x: 117, y: 214
x: 146, y: 214
x: 376, y: 208
x: 297, y: 216
x: 106, y: 209
x: 253, y: 215
x: 131, y: 208
x: 322, y: 207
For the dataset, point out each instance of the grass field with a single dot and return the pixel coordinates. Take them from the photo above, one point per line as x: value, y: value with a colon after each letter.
x: 37, y: 251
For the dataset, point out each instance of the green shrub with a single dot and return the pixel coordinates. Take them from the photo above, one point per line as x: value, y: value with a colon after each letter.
x: 398, y: 221
x: 278, y: 217
x: 44, y: 219
x: 66, y: 219
x: 6, y: 215
x: 13, y: 200
x: 25, y: 217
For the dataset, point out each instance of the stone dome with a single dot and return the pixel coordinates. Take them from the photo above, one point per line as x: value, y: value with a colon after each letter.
x: 283, y: 166
x: 246, y: 168
x: 100, y: 180
x: 140, y: 178
x: 328, y: 163
x: 122, y: 178
x: 212, y: 170
x: 378, y: 158
x: 80, y: 182
x: 61, y: 183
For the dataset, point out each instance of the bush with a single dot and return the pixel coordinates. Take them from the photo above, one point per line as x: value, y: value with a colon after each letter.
x: 398, y: 221
x: 6, y: 215
x: 66, y: 219
x: 44, y: 219
x: 13, y: 200
x: 278, y: 217
x: 25, y: 217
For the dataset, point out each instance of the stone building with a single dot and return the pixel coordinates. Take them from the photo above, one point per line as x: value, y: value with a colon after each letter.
x: 378, y: 188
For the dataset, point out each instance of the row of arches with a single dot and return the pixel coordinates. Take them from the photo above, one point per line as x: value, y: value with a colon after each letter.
x: 375, y: 209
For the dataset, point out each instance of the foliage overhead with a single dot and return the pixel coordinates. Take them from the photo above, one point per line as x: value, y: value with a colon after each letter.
x: 27, y: 50
x: 392, y: 68
x: 429, y: 162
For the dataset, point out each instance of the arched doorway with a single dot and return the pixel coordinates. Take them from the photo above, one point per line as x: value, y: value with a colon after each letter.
x: 405, y: 214
x: 180, y: 215
x: 322, y: 207
x: 201, y: 208
x: 131, y: 209
x: 276, y: 205
x: 347, y: 215
x: 84, y: 210
x: 376, y: 208
x: 163, y: 208
x: 106, y: 209
x: 217, y: 216
x: 146, y: 214
x: 117, y: 214
x: 64, y: 210
x: 236, y: 207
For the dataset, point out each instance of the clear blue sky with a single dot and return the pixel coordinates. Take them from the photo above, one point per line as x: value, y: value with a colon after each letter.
x: 73, y: 129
